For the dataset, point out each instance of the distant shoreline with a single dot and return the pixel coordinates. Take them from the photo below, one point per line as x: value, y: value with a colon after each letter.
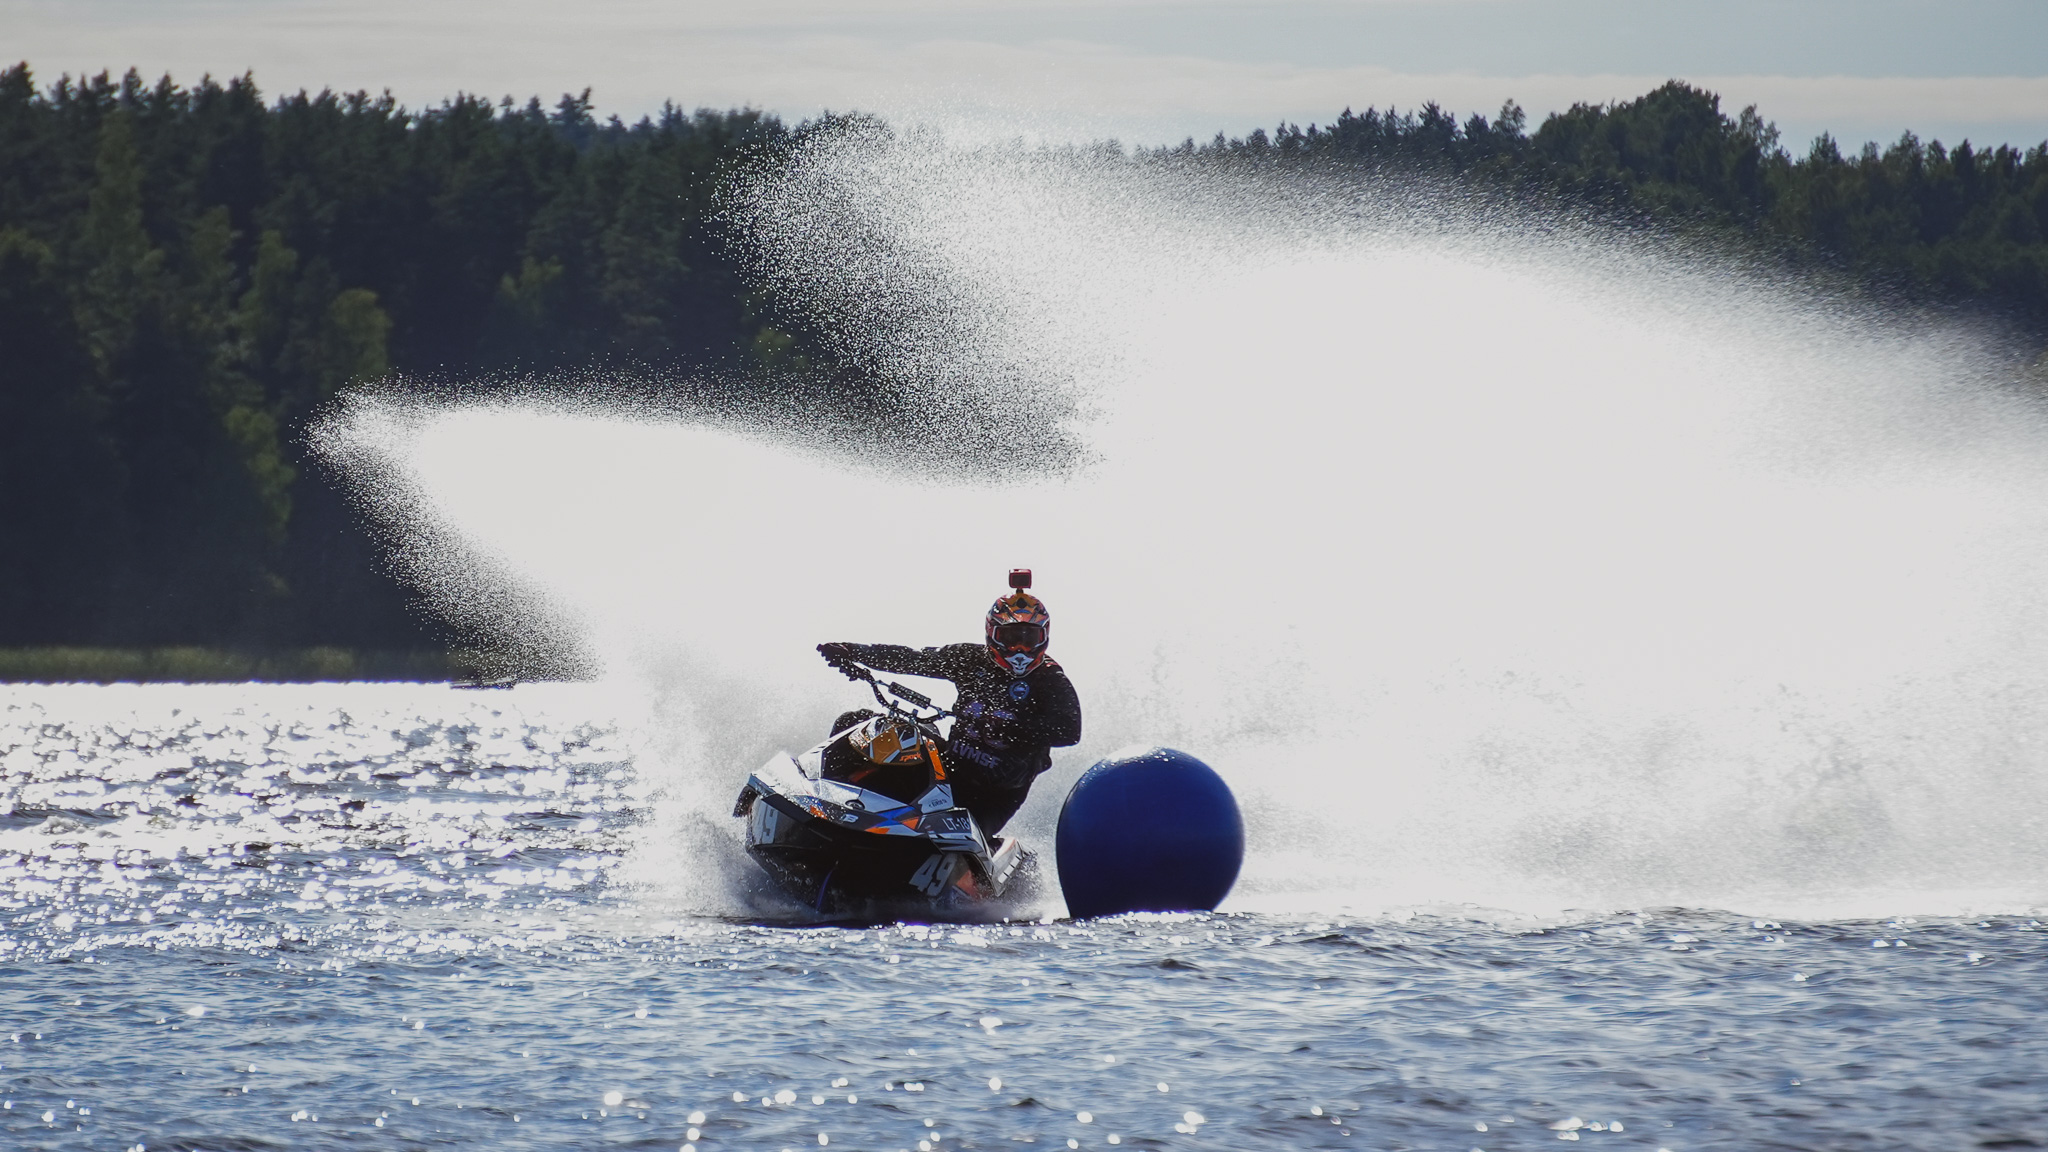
x: 198, y: 665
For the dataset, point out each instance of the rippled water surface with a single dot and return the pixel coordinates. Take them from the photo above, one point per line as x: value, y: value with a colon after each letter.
x: 410, y: 917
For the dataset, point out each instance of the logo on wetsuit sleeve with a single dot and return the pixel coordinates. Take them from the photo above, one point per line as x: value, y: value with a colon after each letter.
x: 985, y: 759
x: 1020, y: 690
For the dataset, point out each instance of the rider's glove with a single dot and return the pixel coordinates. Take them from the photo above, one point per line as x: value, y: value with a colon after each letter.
x: 840, y: 656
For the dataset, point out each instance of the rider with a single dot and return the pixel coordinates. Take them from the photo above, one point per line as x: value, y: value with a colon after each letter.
x: 1015, y: 704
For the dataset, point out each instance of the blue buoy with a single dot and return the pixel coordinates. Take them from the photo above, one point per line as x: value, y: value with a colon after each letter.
x: 1155, y: 832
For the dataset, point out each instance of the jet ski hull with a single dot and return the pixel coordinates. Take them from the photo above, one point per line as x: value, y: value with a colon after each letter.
x: 839, y: 850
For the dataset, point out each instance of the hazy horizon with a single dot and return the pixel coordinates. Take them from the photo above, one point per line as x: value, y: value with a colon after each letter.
x: 1142, y: 71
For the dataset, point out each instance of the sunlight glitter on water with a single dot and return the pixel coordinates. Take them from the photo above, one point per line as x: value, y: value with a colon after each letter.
x: 196, y: 814
x: 489, y: 970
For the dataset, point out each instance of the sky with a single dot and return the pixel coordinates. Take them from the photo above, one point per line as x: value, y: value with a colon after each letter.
x: 1139, y: 71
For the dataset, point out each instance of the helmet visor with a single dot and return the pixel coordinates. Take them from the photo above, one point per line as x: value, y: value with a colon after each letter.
x: 1020, y: 635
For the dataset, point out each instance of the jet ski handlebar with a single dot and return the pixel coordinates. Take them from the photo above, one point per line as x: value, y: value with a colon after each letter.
x: 903, y: 695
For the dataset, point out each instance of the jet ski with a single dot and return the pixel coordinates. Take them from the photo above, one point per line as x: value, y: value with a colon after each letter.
x: 865, y: 823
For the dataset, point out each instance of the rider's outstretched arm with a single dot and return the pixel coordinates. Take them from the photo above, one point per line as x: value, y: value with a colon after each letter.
x: 942, y: 663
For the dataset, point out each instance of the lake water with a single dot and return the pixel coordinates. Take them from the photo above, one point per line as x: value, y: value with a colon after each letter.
x: 406, y: 916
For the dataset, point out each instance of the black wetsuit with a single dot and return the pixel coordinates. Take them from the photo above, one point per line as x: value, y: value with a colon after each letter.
x: 1006, y: 726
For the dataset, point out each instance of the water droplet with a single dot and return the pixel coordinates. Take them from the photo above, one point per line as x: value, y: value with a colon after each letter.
x: 995, y: 1084
x: 696, y: 1118
x: 614, y: 1099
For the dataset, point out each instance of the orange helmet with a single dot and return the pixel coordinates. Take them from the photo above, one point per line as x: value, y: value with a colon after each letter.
x: 1018, y: 629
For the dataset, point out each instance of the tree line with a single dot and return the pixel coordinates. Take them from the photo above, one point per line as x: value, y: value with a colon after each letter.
x: 1917, y: 220
x: 188, y: 274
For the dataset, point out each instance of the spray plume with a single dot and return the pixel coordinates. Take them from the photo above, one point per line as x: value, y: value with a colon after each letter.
x: 1494, y: 559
